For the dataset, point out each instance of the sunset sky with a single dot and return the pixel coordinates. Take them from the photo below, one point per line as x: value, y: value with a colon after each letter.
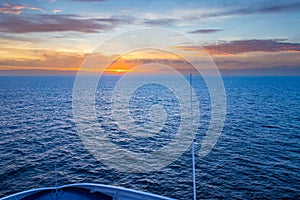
x: 46, y: 37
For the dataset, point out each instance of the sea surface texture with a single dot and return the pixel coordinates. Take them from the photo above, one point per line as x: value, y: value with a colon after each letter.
x: 257, y: 155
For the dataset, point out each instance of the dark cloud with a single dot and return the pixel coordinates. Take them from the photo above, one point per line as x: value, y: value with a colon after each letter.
x: 71, y: 22
x: 254, y: 9
x: 230, y: 8
x: 279, y: 8
x: 205, y: 31
x: 244, y: 46
x: 57, y: 23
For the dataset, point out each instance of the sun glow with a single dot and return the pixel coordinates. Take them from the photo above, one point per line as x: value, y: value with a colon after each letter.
x: 120, y: 71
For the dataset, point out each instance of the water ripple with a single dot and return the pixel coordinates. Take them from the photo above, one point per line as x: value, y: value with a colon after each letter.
x: 256, y: 157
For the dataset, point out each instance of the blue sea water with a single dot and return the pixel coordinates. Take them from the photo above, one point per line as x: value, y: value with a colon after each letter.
x: 256, y: 157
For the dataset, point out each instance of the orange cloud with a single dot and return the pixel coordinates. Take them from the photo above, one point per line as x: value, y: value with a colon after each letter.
x: 27, y: 59
x: 154, y: 57
x: 16, y: 9
x: 38, y: 59
x: 53, y: 62
x: 56, y: 11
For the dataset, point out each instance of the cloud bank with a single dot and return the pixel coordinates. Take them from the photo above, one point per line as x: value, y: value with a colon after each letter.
x: 58, y: 23
x: 204, y: 31
x: 246, y: 46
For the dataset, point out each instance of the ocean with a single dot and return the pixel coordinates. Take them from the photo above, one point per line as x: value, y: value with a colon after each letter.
x: 257, y: 156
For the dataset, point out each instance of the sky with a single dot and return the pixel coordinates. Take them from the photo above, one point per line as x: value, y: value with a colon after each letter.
x: 53, y: 37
